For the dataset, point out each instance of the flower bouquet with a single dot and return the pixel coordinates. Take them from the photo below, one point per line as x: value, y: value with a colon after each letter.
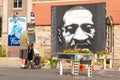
x: 77, y: 51
x: 53, y: 62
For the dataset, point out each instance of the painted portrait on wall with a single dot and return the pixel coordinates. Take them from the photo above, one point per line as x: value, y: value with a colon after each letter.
x: 78, y: 25
x: 16, y: 26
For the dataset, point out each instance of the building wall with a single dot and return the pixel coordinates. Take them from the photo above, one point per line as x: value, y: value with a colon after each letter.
x: 14, y: 50
x: 9, y: 12
x: 113, y: 9
x: 42, y: 20
x: 43, y: 8
x: 4, y: 23
x: 0, y: 2
x: 0, y: 7
x: 43, y: 40
x: 117, y: 42
x: 21, y: 12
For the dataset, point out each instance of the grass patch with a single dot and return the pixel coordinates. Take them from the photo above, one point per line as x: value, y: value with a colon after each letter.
x: 2, y: 51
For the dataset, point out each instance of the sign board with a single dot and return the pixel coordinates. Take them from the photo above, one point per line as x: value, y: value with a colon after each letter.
x: 32, y: 16
x: 30, y: 26
x: 77, y: 57
x: 16, y: 26
x: 66, y: 56
x: 31, y: 38
x: 31, y: 32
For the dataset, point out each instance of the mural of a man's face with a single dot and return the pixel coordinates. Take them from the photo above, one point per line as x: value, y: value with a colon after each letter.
x: 78, y: 28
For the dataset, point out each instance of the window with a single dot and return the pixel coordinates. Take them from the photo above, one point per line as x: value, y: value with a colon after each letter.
x: 17, y: 4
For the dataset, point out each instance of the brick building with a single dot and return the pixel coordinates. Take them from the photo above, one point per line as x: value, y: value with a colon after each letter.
x: 11, y: 8
x: 42, y: 12
x: 43, y: 19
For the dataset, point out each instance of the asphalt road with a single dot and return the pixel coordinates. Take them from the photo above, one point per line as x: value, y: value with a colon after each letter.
x: 8, y: 73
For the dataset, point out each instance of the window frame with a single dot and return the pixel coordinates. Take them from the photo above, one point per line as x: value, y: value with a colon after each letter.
x: 17, y: 4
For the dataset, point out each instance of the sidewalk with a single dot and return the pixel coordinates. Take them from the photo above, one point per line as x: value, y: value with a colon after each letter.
x: 15, y: 62
x: 10, y: 62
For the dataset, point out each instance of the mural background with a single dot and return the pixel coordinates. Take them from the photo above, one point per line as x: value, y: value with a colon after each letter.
x: 98, y: 11
x: 16, y: 26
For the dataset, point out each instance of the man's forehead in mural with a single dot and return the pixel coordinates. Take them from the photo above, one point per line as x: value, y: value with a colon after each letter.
x: 77, y: 14
x: 78, y: 28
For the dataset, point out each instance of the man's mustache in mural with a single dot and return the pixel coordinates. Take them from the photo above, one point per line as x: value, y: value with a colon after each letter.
x: 81, y: 43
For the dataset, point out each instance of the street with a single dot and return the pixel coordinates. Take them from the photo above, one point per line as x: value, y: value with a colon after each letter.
x: 10, y: 73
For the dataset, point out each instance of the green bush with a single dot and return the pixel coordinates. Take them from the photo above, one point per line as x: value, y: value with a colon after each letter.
x: 2, y: 52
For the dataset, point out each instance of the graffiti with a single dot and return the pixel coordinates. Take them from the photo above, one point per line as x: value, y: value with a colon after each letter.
x: 16, y: 26
x: 14, y: 41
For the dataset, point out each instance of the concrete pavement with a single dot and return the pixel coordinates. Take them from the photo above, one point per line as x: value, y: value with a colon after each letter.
x: 10, y: 62
x: 8, y: 73
x: 10, y: 70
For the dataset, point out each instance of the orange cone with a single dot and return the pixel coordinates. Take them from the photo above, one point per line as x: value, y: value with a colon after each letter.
x: 82, y: 67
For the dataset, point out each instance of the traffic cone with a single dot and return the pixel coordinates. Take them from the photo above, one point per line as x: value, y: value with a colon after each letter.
x: 82, y: 67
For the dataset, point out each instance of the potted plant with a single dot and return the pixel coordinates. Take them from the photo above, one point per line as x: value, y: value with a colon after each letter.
x: 53, y: 62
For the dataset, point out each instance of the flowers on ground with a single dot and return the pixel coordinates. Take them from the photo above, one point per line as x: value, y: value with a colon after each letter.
x: 53, y: 59
x: 77, y: 50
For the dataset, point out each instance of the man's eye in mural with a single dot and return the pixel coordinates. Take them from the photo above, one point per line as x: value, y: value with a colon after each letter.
x: 87, y: 27
x: 71, y: 28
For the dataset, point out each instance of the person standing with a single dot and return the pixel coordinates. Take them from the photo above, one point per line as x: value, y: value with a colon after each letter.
x: 24, y: 43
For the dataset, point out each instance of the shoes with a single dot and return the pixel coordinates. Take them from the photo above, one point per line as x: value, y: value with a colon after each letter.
x: 23, y: 67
